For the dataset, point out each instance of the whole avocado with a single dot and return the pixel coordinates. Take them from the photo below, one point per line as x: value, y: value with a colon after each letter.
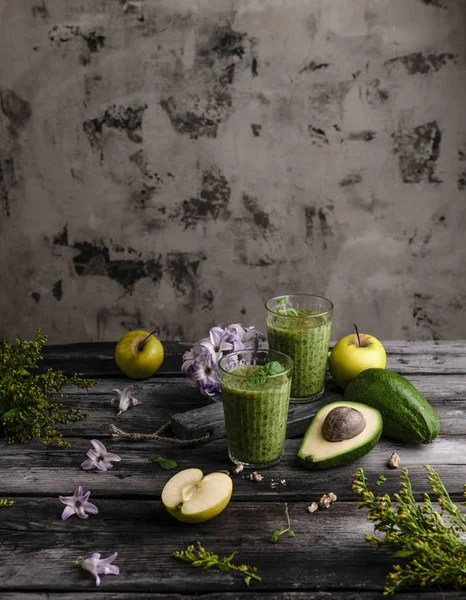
x: 406, y: 414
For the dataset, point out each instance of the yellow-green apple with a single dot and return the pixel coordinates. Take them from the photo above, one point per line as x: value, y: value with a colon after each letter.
x: 192, y: 498
x: 139, y: 354
x: 355, y: 353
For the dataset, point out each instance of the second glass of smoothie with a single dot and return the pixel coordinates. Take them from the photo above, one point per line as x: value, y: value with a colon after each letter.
x: 299, y: 325
x: 255, y: 393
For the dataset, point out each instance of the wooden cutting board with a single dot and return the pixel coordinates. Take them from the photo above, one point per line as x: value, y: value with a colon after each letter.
x: 196, y: 423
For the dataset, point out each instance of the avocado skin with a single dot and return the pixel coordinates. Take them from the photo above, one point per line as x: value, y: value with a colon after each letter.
x: 406, y: 414
x: 342, y: 459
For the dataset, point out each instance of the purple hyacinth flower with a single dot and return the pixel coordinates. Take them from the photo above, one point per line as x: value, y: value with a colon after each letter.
x: 99, y: 458
x: 78, y: 504
x: 218, y: 342
x: 99, y: 566
x: 190, y: 356
x: 205, y: 374
x: 125, y: 399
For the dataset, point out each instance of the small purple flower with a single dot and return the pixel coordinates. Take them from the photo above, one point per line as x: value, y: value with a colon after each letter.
x: 99, y: 458
x: 78, y: 504
x: 125, y: 399
x: 218, y: 342
x: 245, y: 338
x: 205, y: 374
x: 190, y: 356
x: 99, y: 566
x: 200, y: 363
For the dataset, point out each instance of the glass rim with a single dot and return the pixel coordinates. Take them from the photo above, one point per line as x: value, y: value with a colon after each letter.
x: 320, y: 314
x: 286, y: 372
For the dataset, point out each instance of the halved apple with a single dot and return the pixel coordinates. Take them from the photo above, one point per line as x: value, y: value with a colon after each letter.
x: 192, y: 498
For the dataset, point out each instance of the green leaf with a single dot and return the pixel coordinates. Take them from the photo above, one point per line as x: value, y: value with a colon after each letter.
x: 274, y: 368
x: 292, y: 311
x: 380, y: 480
x: 291, y: 533
x: 247, y: 579
x: 276, y: 534
x: 165, y: 463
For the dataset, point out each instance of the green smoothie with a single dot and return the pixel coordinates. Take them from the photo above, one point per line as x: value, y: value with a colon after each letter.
x: 255, y: 415
x: 305, y: 338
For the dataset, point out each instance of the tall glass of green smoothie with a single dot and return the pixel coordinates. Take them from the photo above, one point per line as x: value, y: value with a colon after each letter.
x: 255, y: 393
x: 299, y: 325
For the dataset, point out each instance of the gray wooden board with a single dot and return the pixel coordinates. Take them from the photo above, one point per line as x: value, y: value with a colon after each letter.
x: 35, y: 471
x: 38, y: 550
x: 97, y: 360
x: 173, y: 399
x: 328, y: 558
x: 240, y: 595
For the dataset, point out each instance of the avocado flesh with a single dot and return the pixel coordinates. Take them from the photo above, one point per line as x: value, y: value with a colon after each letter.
x: 316, y: 452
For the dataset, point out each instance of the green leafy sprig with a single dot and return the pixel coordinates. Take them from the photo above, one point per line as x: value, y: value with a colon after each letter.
x: 199, y: 557
x: 26, y: 413
x: 282, y: 310
x: 268, y: 370
x: 435, y: 555
x: 165, y: 463
x: 5, y: 502
x: 278, y: 532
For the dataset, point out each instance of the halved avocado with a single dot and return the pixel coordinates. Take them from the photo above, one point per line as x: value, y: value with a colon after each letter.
x: 316, y: 452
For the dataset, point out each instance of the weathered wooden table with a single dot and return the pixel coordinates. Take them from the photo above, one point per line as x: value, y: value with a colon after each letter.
x: 327, y: 558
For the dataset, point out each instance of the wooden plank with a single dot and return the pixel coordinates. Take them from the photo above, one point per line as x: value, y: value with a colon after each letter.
x: 38, y: 550
x: 166, y: 397
x: 97, y: 359
x: 31, y: 470
x: 249, y: 595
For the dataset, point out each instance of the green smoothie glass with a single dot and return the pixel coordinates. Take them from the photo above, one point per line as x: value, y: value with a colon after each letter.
x: 255, y: 393
x: 299, y: 325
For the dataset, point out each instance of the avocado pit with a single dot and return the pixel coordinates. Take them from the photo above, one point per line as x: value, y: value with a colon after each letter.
x: 343, y: 423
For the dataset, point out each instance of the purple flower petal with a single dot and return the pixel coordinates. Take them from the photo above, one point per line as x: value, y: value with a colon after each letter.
x: 88, y: 464
x: 69, y: 510
x: 99, y: 566
x: 77, y: 504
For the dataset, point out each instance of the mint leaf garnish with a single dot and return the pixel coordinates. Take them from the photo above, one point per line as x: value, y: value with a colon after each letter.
x: 260, y: 376
x: 165, y: 463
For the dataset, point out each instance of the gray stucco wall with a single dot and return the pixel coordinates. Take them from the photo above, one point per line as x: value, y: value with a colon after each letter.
x: 175, y: 163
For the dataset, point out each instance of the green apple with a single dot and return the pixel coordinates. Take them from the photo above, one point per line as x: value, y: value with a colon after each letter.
x: 139, y: 354
x: 355, y: 353
x: 192, y: 498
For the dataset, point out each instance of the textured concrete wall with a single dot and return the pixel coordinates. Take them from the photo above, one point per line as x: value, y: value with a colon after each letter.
x: 174, y: 163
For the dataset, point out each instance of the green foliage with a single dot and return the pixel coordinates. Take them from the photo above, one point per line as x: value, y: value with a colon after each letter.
x: 199, y: 557
x: 431, y: 545
x: 381, y: 480
x: 165, y: 463
x: 25, y: 409
x: 5, y: 502
x: 286, y: 311
x: 278, y: 532
x: 268, y: 370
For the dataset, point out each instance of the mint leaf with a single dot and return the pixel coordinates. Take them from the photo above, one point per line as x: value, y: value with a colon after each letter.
x: 165, y: 463
x: 380, y: 480
x: 274, y: 368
